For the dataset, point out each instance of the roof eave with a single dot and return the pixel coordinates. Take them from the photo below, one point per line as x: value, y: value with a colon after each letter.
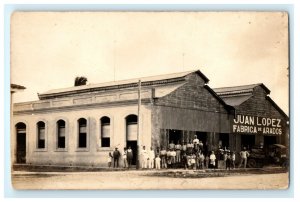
x: 206, y: 80
x: 277, y: 107
x: 265, y: 88
x: 227, y: 107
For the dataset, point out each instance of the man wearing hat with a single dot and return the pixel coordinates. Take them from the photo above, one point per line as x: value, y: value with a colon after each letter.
x: 116, y: 156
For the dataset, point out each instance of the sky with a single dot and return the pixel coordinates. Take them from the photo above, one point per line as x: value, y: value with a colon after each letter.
x: 49, y: 49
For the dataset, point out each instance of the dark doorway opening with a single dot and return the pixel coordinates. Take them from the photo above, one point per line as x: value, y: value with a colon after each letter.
x: 175, y: 136
x: 224, y: 140
x: 133, y: 146
x: 21, y: 143
x: 131, y: 135
x: 247, y: 141
x: 269, y: 140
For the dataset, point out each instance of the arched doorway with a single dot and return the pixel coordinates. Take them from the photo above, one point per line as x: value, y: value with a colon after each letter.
x: 21, y: 142
x: 131, y: 134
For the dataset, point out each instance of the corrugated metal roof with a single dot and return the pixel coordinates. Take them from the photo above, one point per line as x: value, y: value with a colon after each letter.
x: 144, y: 80
x: 236, y: 100
x: 236, y: 95
x: 235, y: 89
x: 239, y: 89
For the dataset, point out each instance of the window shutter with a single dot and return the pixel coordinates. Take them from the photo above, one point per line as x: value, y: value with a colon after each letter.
x: 105, y: 131
x: 82, y: 129
x: 62, y: 132
x: 132, y: 132
x: 42, y: 133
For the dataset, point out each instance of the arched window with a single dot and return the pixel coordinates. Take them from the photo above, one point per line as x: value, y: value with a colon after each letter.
x: 61, y: 134
x: 82, y: 133
x: 40, y: 135
x: 131, y: 127
x: 105, y: 131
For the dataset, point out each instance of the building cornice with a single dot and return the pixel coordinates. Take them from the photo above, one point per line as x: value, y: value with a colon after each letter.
x: 81, y: 107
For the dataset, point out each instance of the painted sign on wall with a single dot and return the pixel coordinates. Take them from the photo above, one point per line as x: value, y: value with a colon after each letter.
x: 257, y: 125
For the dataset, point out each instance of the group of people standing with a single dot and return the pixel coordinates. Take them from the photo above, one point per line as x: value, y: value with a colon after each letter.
x: 194, y: 155
x: 191, y: 155
x: 127, y: 156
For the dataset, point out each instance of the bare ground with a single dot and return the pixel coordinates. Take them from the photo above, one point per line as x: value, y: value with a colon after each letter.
x: 147, y: 180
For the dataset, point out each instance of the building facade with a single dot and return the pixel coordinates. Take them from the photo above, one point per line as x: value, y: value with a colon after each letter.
x: 258, y: 119
x: 81, y: 125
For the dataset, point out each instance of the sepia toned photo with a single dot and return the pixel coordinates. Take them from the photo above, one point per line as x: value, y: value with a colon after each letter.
x: 150, y: 100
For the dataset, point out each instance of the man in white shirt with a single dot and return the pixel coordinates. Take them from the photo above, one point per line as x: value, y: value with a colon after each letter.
x: 124, y: 157
x: 196, y: 143
x: 189, y: 147
x: 201, y: 145
x: 233, y: 159
x: 145, y: 157
x: 151, y: 158
x: 172, y: 145
x: 195, y: 140
x: 173, y: 157
x: 178, y: 152
x: 244, y: 155
x: 212, y: 159
x: 157, y: 162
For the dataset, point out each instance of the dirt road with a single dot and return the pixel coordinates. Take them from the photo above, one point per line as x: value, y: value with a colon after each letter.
x: 143, y: 180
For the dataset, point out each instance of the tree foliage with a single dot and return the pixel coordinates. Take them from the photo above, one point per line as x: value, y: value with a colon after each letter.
x: 80, y: 81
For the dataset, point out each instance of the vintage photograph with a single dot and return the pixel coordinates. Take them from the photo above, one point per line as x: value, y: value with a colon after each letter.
x: 149, y: 100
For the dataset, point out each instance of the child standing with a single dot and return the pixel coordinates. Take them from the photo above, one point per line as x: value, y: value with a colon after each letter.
x: 109, y: 159
x: 157, y: 162
x: 193, y: 161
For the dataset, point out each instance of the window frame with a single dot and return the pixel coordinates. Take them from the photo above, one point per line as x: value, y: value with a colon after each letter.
x: 55, y: 145
x: 87, y: 148
x: 101, y: 132
x: 37, y: 136
x: 58, y: 135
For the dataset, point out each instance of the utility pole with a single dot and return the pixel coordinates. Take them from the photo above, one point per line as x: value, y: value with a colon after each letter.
x: 138, y: 125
